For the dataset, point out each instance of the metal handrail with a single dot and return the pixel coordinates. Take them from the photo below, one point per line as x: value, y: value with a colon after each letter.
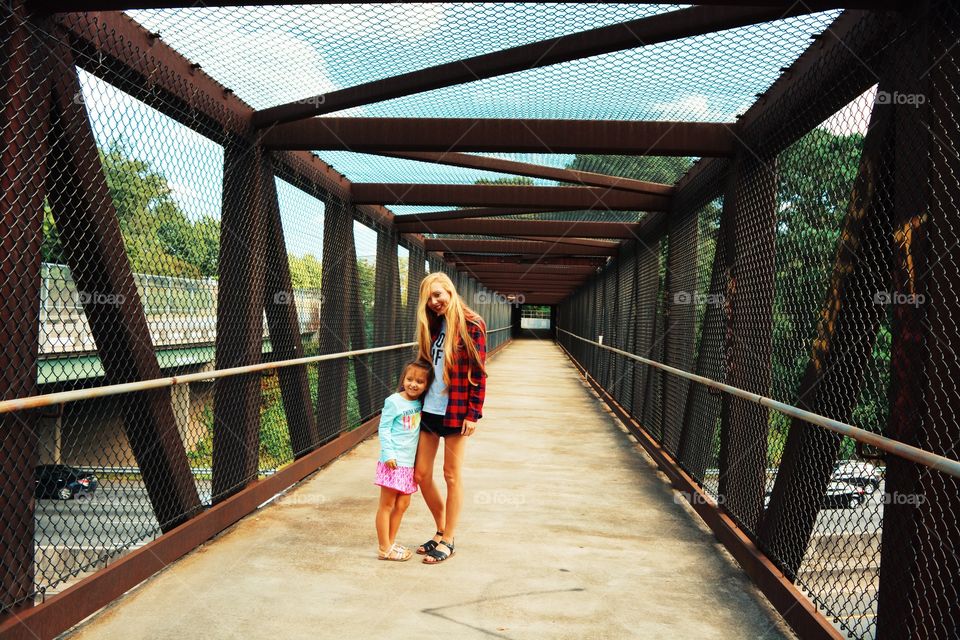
x: 47, y: 399
x: 902, y: 449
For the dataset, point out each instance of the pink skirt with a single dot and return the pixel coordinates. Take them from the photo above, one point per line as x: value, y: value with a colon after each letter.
x: 399, y: 479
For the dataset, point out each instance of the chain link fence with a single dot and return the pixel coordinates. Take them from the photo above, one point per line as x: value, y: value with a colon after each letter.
x: 146, y: 236
x: 816, y: 268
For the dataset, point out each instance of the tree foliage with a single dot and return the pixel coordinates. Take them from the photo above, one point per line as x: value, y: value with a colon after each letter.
x: 159, y: 237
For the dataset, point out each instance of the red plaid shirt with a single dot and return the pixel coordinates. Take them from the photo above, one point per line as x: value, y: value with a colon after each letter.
x: 465, y: 400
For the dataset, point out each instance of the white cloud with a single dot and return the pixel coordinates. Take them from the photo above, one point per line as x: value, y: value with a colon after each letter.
x: 692, y: 108
x: 269, y: 62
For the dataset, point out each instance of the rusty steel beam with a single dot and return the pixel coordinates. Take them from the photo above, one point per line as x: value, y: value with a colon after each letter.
x: 90, y: 234
x: 526, y: 268
x: 751, y: 240
x: 528, y: 258
x: 533, y: 228
x: 531, y: 278
x: 60, y: 6
x: 585, y: 178
x: 545, y: 300
x: 631, y: 137
x: 920, y: 536
x: 507, y: 290
x: 522, y: 247
x: 25, y: 122
x: 476, y: 212
x: 281, y: 313
x: 627, y: 35
x: 473, y: 259
x: 826, y: 62
x: 573, y: 243
x: 240, y: 309
x: 493, y: 269
x: 501, y: 195
x: 122, y: 52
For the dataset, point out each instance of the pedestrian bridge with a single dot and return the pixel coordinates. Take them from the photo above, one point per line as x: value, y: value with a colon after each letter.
x: 715, y: 248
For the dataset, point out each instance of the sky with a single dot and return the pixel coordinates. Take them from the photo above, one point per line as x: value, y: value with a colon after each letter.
x: 277, y: 54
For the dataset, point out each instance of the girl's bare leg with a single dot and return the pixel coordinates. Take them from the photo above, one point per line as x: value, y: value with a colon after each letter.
x: 388, y: 499
x: 396, y: 515
x: 454, y: 449
x: 423, y: 475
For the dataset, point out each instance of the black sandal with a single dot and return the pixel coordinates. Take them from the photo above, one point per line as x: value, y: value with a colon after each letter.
x: 429, y: 545
x: 438, y: 555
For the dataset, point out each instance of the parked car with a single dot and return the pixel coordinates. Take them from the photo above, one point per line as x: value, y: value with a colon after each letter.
x: 63, y: 482
x: 858, y: 473
x: 843, y: 495
x: 839, y: 495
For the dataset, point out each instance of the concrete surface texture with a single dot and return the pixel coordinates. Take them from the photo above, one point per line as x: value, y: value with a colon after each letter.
x: 567, y: 531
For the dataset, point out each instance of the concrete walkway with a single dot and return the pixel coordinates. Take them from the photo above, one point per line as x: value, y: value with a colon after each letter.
x: 567, y: 532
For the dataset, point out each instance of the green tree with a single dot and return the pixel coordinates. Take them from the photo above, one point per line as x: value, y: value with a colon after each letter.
x: 663, y: 169
x: 512, y: 180
x: 305, y: 271
x: 159, y: 238
x: 814, y: 180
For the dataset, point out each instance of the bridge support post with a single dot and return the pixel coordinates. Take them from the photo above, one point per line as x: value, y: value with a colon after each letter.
x: 363, y: 366
x: 284, y: 324
x: 752, y: 217
x: 335, y: 316
x: 90, y: 235
x: 703, y: 404
x: 920, y: 565
x: 387, y: 311
x: 416, y: 271
x: 681, y: 315
x: 839, y: 354
x: 647, y: 285
x: 24, y: 124
x: 236, y: 409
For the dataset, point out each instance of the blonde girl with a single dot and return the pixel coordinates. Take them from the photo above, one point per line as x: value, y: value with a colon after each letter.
x: 452, y: 338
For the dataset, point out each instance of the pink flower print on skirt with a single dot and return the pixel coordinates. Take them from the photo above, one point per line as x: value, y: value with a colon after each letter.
x: 399, y: 479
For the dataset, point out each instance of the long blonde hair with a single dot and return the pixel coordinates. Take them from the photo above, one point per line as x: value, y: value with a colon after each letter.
x: 458, y: 315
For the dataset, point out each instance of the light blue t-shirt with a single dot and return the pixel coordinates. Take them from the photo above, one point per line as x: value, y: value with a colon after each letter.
x: 399, y: 430
x: 435, y: 400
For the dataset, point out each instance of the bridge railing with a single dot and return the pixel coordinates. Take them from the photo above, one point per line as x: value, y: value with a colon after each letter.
x: 786, y: 342
x: 149, y: 363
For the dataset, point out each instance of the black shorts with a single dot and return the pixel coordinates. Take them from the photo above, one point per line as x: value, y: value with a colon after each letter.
x: 432, y: 423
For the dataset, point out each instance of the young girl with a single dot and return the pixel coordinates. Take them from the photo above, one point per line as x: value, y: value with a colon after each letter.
x: 399, y: 435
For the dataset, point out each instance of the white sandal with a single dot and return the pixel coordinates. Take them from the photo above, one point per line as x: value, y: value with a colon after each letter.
x: 397, y: 553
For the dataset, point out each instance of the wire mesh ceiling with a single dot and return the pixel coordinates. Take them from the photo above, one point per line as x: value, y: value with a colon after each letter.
x: 273, y: 55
